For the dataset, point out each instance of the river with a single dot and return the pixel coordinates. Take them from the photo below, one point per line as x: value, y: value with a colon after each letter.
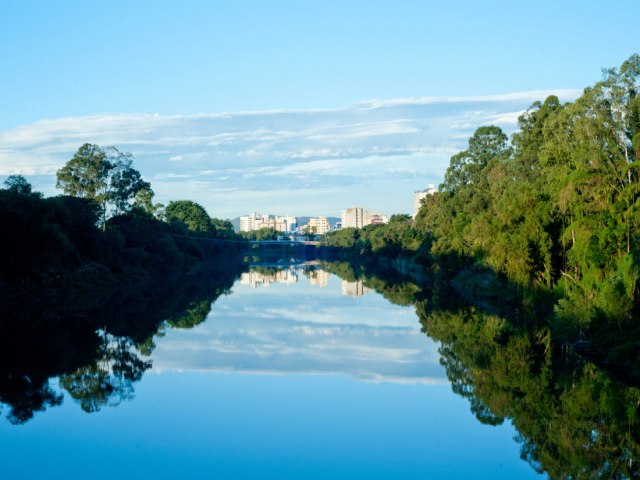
x: 293, y: 373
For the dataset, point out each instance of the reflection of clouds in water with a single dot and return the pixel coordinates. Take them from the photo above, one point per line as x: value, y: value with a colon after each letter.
x: 310, y: 331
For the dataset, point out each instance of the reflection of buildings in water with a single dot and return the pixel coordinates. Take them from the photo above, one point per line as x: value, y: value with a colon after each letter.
x: 354, y: 289
x: 258, y: 279
x: 318, y: 277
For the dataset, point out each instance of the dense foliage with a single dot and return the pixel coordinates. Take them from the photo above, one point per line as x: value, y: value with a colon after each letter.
x: 106, y: 234
x: 261, y: 234
x: 390, y: 240
x: 558, y: 209
x: 106, y: 176
x: 190, y: 214
x: 87, y: 279
x: 553, y: 212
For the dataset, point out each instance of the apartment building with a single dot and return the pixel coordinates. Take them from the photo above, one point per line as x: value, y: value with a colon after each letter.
x: 418, y: 196
x: 359, y: 217
x: 256, y: 221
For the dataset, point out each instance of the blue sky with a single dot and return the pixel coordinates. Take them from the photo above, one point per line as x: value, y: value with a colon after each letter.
x: 284, y: 107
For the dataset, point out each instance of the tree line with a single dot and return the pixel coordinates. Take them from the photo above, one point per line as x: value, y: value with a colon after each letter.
x: 105, y: 230
x: 88, y: 278
x: 555, y: 210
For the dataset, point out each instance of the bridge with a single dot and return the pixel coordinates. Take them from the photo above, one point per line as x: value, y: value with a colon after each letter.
x: 268, y: 252
x: 280, y: 252
x: 281, y: 242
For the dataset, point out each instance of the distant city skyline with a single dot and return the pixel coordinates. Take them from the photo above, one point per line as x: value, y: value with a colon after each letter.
x: 374, y: 154
x: 293, y: 108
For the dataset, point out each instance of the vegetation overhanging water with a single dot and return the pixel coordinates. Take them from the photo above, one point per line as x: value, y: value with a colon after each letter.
x: 524, y: 266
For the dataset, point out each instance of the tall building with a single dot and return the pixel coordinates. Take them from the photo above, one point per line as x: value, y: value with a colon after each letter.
x: 251, y: 222
x: 352, y: 217
x: 359, y: 217
x: 291, y: 223
x: 418, y: 196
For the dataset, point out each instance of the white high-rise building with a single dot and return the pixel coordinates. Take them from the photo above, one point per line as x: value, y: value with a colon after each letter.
x: 253, y: 221
x: 418, y: 196
x: 291, y: 223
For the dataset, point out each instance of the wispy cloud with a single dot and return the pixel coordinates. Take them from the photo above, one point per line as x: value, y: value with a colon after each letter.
x: 374, y: 153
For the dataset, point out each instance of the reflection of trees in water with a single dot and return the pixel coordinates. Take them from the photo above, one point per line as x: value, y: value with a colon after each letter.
x: 25, y: 398
x: 574, y: 420
x: 109, y: 380
x: 98, y: 353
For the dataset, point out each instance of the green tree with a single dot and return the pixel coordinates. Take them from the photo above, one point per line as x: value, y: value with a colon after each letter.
x: 126, y: 186
x: 465, y: 168
x: 224, y: 228
x: 86, y: 175
x: 269, y: 233
x: 189, y: 214
x: 105, y: 176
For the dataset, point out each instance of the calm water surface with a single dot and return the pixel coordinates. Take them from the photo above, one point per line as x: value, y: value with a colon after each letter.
x: 293, y: 376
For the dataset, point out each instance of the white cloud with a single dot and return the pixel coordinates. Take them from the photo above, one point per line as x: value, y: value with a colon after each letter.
x: 530, y: 96
x: 373, y: 153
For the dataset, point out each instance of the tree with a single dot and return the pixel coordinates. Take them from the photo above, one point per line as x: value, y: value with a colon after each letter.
x: 86, y: 174
x: 190, y: 214
x: 224, y: 228
x: 486, y: 144
x: 105, y: 176
x: 126, y: 184
x: 18, y: 184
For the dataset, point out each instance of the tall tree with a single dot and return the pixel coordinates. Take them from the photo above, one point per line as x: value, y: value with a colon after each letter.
x: 126, y: 184
x: 486, y: 144
x: 86, y: 175
x: 106, y: 176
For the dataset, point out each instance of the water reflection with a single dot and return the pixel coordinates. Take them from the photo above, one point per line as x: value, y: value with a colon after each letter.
x: 97, y: 347
x: 354, y: 289
x: 263, y: 277
x: 574, y: 420
x: 305, y: 322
